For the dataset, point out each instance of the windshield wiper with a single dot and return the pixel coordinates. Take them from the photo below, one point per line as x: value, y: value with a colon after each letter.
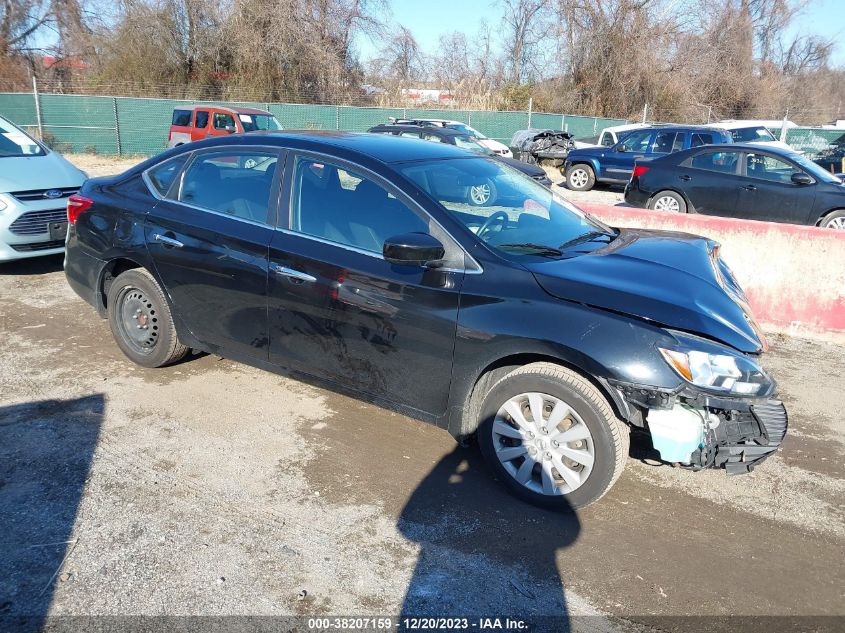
x: 542, y: 249
x: 589, y: 236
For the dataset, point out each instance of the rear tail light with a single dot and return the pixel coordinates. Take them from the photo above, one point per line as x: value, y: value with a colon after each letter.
x: 76, y: 205
x: 639, y: 170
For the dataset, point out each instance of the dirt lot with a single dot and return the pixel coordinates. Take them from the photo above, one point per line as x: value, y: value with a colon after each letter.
x: 212, y: 488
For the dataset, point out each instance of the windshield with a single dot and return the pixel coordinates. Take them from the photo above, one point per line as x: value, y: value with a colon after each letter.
x: 506, y: 209
x: 253, y: 122
x: 461, y: 127
x: 751, y: 134
x: 471, y: 143
x: 15, y: 142
x: 815, y: 170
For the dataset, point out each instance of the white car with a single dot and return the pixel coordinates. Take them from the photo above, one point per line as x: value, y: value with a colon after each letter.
x: 495, y: 146
x: 756, y: 131
x: 35, y: 183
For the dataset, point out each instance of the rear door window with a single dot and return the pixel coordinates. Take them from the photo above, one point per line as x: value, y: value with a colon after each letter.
x: 236, y: 183
x: 201, y: 120
x: 723, y: 162
x: 664, y: 142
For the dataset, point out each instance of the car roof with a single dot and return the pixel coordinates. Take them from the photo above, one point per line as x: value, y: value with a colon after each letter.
x: 234, y: 109
x: 737, y: 124
x: 350, y: 145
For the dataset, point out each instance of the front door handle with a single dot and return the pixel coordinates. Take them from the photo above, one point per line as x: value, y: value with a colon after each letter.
x: 750, y: 188
x: 685, y: 178
x: 293, y: 275
x: 168, y: 241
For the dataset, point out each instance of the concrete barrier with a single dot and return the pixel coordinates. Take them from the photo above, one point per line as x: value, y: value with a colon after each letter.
x: 794, y: 276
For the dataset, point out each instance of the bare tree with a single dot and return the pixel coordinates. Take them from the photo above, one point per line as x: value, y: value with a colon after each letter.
x: 527, y: 26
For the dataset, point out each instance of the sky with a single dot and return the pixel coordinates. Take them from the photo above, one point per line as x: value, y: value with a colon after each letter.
x: 428, y: 19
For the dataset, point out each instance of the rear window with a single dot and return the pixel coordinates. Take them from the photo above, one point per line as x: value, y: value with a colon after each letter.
x: 182, y: 118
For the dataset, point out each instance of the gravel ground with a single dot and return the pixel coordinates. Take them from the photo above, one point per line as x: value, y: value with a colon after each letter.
x: 212, y: 488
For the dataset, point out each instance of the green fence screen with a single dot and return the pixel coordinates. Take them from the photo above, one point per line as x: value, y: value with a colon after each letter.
x: 132, y: 126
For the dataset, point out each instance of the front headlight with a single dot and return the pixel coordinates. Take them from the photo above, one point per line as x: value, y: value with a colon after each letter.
x: 718, y: 372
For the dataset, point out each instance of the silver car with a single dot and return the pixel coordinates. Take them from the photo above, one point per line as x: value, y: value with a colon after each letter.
x: 35, y: 183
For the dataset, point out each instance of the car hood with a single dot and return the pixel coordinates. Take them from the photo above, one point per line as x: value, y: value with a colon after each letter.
x: 665, y: 277
x: 21, y: 173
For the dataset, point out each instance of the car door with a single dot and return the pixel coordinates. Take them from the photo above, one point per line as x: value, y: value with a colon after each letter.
x: 338, y: 310
x: 208, y: 239
x: 711, y: 181
x: 617, y: 163
x: 768, y: 192
x: 202, y: 117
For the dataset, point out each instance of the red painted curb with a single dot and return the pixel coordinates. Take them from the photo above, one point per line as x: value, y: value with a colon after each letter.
x: 794, y: 276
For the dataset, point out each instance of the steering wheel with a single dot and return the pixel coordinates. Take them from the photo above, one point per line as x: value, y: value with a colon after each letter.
x: 502, y: 218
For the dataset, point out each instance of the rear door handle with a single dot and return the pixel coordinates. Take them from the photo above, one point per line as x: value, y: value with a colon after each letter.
x: 685, y: 178
x: 168, y: 241
x: 293, y: 275
x: 750, y: 188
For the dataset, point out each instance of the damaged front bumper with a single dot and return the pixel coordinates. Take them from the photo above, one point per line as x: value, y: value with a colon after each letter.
x: 736, y: 434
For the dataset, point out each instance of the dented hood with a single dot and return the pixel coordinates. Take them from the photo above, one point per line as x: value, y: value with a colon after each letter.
x: 673, y: 279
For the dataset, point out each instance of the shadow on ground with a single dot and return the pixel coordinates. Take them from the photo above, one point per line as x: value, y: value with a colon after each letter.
x: 481, y: 552
x: 33, y: 265
x: 46, y: 450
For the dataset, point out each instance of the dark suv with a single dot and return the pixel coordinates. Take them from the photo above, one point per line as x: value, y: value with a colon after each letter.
x: 614, y: 165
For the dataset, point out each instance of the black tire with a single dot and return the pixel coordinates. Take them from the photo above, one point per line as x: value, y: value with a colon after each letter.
x: 155, y: 344
x: 657, y: 202
x: 581, y: 183
x: 609, y: 435
x: 833, y: 220
x: 483, y: 194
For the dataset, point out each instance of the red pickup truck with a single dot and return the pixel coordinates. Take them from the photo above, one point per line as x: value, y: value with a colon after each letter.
x: 198, y: 122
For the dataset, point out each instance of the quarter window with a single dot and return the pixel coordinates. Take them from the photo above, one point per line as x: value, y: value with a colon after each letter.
x: 724, y: 162
x: 161, y: 176
x: 233, y: 183
x: 339, y: 205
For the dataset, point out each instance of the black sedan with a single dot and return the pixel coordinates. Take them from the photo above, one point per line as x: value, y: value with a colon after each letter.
x: 479, y: 194
x: 742, y: 181
x: 527, y: 324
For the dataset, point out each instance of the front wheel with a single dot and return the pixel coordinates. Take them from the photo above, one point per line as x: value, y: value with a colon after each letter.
x: 141, y: 322
x: 551, y: 437
x: 835, y: 220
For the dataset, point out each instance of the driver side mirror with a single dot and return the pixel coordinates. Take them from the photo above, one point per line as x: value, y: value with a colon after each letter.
x: 413, y: 249
x: 621, y: 148
x: 800, y: 178
x: 231, y: 129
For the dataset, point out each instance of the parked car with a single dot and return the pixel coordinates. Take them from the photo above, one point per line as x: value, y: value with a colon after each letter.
x: 529, y: 325
x: 494, y: 146
x: 583, y: 168
x: 742, y: 181
x: 755, y: 131
x: 35, y: 183
x: 476, y: 193
x: 198, y: 122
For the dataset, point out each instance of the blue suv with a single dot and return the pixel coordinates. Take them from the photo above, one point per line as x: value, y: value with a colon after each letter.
x: 615, y: 164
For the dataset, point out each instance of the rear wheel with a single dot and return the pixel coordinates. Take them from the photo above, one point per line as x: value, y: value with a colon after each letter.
x: 668, y: 201
x: 580, y: 177
x: 141, y: 322
x: 551, y: 437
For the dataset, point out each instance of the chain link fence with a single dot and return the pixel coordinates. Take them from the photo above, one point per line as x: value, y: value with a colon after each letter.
x: 139, y: 126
